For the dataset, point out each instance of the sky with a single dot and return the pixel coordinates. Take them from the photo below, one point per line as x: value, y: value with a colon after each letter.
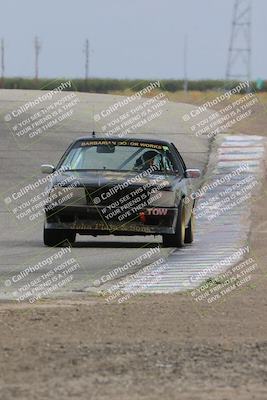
x: 129, y: 38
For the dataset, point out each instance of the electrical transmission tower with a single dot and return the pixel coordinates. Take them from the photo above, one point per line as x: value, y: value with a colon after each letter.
x: 2, y: 61
x: 87, y: 58
x: 239, y: 53
x: 37, y: 48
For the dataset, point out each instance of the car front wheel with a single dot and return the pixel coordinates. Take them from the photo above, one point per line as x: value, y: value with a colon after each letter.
x: 178, y: 238
x: 58, y: 237
x: 189, y: 232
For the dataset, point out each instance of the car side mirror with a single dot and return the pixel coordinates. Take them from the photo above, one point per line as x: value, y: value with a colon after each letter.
x: 47, y: 169
x: 192, y: 173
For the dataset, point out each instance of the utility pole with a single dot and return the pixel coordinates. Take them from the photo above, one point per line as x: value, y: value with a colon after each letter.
x: 185, y: 64
x: 2, y: 62
x: 239, y: 52
x: 37, y: 48
x: 87, y: 59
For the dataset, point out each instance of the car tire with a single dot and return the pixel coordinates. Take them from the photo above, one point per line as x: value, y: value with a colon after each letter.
x: 189, y: 232
x: 178, y: 238
x: 58, y: 237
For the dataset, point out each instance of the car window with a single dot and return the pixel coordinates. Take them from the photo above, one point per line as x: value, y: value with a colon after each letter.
x: 124, y: 158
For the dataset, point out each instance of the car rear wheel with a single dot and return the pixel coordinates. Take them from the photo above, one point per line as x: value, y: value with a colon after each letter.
x: 189, y: 232
x: 178, y: 238
x: 58, y: 237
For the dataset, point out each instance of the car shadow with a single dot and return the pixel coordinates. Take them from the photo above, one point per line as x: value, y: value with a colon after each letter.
x: 116, y: 244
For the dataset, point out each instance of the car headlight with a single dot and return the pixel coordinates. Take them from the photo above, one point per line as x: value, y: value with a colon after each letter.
x: 162, y: 198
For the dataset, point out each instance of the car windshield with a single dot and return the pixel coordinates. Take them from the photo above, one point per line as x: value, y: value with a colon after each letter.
x: 112, y: 155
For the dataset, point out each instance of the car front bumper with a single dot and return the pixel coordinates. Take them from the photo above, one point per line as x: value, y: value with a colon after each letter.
x: 95, y: 220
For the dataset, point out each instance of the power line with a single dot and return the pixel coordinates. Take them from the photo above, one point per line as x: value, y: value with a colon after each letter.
x: 185, y: 64
x: 240, y: 48
x: 87, y: 58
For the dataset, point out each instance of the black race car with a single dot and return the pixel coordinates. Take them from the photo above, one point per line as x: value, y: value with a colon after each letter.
x: 106, y: 186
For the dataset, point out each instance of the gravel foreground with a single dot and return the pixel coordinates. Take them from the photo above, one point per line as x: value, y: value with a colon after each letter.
x: 150, y: 348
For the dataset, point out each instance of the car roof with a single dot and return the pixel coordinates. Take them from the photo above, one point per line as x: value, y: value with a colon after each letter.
x: 128, y: 139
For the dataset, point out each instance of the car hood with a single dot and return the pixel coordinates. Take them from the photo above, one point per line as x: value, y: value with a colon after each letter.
x: 111, y: 178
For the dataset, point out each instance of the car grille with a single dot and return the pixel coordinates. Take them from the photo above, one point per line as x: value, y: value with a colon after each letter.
x: 107, y: 195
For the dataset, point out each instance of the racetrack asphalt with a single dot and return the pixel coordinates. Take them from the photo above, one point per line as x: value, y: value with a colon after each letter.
x: 20, y: 164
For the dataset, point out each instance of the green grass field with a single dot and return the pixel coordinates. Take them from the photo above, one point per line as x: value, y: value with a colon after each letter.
x: 99, y: 85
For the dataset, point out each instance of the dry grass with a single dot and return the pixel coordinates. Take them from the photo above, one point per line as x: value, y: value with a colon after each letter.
x: 254, y: 125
